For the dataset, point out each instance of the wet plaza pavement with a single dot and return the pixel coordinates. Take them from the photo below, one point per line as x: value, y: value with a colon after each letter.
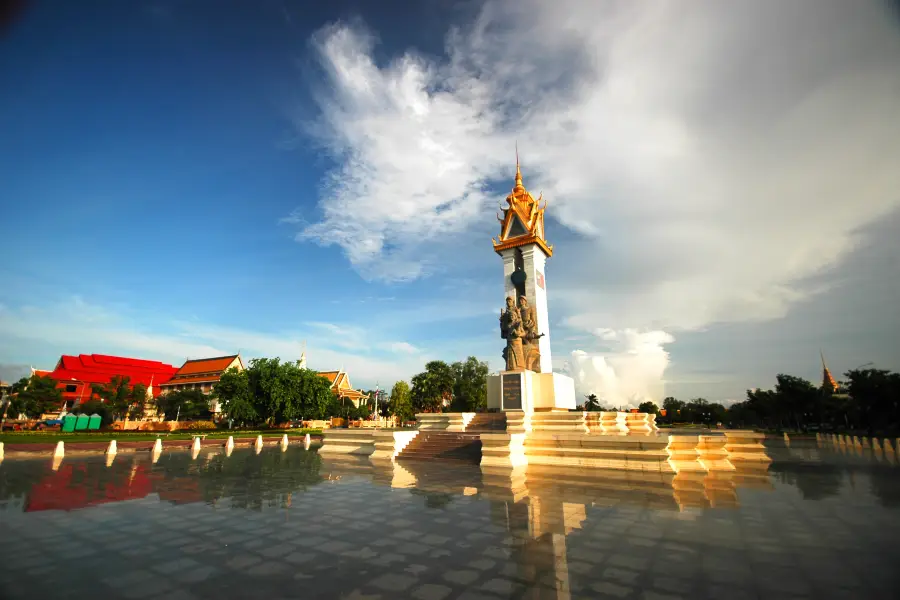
x: 821, y: 522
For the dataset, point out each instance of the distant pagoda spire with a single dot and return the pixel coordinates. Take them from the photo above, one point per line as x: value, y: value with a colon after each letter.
x: 828, y: 382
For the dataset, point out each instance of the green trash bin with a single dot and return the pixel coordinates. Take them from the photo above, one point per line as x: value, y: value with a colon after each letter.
x: 68, y: 423
x: 94, y: 422
x: 82, y: 422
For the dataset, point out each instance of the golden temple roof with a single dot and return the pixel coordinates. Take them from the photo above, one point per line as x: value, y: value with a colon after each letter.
x: 522, y: 222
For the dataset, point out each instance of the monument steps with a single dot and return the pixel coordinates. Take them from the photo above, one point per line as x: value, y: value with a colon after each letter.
x: 443, y: 445
x: 487, y: 422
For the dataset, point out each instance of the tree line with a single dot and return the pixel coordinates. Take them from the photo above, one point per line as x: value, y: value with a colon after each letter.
x: 271, y: 392
x: 457, y: 387
x: 869, y: 400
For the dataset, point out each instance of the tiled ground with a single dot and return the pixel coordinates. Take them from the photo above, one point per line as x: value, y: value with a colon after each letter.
x: 293, y: 526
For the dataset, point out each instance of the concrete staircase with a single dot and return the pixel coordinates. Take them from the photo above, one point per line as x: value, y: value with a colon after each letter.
x: 487, y: 422
x: 445, y: 445
x: 464, y: 446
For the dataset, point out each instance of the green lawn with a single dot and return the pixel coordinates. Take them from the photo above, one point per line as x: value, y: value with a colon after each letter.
x: 38, y: 437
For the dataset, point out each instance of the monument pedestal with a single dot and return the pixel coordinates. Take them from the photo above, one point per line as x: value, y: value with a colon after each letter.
x: 529, y: 391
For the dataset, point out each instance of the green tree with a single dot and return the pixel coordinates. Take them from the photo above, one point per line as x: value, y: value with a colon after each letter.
x: 284, y: 391
x: 648, y: 407
x: 433, y: 387
x: 233, y: 393
x: 183, y: 404
x: 673, y: 408
x: 36, y: 396
x: 876, y: 398
x: 799, y: 400
x: 137, y: 400
x: 470, y: 385
x: 116, y: 394
x: 401, y: 403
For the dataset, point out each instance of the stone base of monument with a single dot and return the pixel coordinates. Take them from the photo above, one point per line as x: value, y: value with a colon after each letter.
x: 530, y: 392
x: 616, y: 452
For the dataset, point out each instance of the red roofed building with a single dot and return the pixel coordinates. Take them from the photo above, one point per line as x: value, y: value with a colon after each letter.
x: 202, y: 374
x: 78, y: 374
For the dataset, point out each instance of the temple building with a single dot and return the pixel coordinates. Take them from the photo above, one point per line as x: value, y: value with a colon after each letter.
x: 340, y: 385
x: 76, y: 375
x: 202, y: 374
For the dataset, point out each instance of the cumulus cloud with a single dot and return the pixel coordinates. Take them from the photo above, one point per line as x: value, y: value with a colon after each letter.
x: 629, y: 374
x: 713, y: 156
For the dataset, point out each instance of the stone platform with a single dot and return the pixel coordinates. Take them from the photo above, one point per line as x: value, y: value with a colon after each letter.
x: 573, y: 439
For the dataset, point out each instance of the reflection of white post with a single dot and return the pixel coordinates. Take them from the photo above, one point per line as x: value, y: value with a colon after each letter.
x: 1, y: 450
x: 259, y: 444
x: 196, y: 444
x: 229, y: 445
x: 307, y: 441
x: 284, y: 442
x: 561, y: 567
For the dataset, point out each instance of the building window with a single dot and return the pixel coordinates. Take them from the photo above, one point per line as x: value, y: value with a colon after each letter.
x: 71, y: 387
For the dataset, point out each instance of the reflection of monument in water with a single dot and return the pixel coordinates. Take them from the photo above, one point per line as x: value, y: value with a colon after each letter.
x: 540, y: 506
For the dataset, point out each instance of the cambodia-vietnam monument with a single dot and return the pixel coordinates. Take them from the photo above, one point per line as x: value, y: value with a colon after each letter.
x: 527, y: 382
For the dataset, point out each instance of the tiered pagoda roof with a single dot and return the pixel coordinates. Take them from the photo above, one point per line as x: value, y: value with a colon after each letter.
x: 522, y: 221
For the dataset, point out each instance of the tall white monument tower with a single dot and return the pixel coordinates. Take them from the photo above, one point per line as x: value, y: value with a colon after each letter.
x: 529, y: 367
x: 525, y: 252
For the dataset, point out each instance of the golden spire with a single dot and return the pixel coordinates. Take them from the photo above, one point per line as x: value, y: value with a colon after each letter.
x: 519, y: 187
x: 828, y: 381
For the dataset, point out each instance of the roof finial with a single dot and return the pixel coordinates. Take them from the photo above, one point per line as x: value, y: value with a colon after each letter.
x: 519, y: 185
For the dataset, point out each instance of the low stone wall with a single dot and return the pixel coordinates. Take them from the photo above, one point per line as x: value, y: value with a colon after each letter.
x: 444, y: 421
x: 359, y: 442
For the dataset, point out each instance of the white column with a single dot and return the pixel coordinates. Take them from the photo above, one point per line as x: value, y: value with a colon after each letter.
x: 535, y: 263
x: 509, y: 266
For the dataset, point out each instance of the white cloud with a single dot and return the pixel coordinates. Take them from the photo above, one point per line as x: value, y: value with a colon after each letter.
x: 403, y: 348
x: 714, y: 155
x: 627, y: 376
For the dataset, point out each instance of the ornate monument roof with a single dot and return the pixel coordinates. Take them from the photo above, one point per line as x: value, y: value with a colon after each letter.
x: 523, y: 221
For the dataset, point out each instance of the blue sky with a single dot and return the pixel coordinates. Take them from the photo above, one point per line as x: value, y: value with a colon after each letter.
x: 188, y: 178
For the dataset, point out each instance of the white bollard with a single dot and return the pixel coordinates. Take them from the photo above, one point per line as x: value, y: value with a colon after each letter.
x: 196, y: 444
x: 229, y: 445
x: 259, y: 443
x: 157, y: 445
x: 111, y: 449
x: 307, y: 441
x: 887, y: 445
x: 1, y: 450
x: 284, y: 442
x: 60, y: 450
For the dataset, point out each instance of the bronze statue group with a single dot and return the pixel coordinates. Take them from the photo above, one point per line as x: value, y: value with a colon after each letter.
x: 518, y: 326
